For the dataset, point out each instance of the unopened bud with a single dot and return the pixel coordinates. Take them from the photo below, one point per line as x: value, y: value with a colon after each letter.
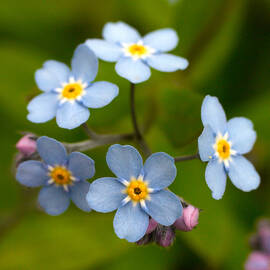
x: 27, y: 145
x: 188, y: 220
x: 152, y: 226
x: 257, y: 261
x: 165, y: 235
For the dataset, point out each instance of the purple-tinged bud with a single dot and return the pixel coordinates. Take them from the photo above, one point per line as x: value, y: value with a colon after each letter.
x: 27, y: 145
x: 164, y: 236
x: 264, y: 235
x: 257, y: 261
x: 152, y: 226
x: 188, y: 220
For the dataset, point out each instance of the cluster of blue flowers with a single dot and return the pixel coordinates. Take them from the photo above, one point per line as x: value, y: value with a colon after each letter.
x: 138, y: 192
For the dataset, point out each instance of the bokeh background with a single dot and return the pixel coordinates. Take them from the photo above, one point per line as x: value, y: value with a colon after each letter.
x: 227, y: 43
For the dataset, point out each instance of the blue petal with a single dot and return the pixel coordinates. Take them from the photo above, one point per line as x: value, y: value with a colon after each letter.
x: 104, y: 50
x: 124, y: 161
x: 130, y: 222
x: 163, y: 40
x: 216, y: 178
x: 51, y: 75
x: 81, y: 166
x: 242, y: 134
x: 205, y: 143
x: 54, y: 200
x: 105, y: 194
x: 78, y: 195
x: 159, y: 170
x: 42, y: 108
x: 84, y: 64
x: 133, y: 70
x: 120, y: 32
x: 213, y: 114
x: 100, y: 94
x: 32, y: 173
x: 71, y: 115
x: 167, y: 62
x: 51, y: 151
x: 243, y: 174
x: 164, y: 207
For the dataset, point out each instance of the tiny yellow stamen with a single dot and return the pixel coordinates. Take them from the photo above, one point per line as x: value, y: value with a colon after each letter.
x: 61, y: 176
x: 72, y: 91
x: 137, y: 50
x: 137, y: 190
x: 223, y: 149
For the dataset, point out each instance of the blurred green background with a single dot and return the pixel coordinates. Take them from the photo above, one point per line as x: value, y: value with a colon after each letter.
x: 227, y: 43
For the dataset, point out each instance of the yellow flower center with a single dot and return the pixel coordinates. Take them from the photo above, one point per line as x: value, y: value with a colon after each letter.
x: 61, y: 176
x: 72, y: 90
x: 137, y: 50
x: 223, y: 149
x: 137, y: 190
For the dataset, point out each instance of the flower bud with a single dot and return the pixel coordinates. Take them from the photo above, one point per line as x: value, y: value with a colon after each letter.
x: 152, y: 226
x: 264, y: 235
x: 188, y: 220
x: 164, y: 235
x: 27, y: 145
x: 257, y: 261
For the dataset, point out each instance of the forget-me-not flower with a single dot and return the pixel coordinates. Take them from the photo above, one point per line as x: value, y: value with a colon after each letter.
x: 135, y: 54
x: 222, y: 145
x: 62, y: 176
x: 69, y: 93
x: 137, y: 192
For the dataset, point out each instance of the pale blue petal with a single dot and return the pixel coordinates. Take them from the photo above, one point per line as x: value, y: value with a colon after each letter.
x: 205, y: 143
x: 32, y: 173
x: 71, y: 115
x: 60, y: 70
x: 42, y: 108
x: 51, y: 151
x: 84, y: 64
x: 243, y: 174
x: 51, y: 75
x: 100, y: 94
x: 133, y: 70
x: 242, y: 134
x: 104, y: 50
x: 163, y: 40
x: 167, y: 62
x: 159, y: 170
x: 81, y: 166
x: 213, y: 114
x: 130, y: 222
x: 120, y: 32
x: 78, y: 195
x: 124, y: 161
x: 54, y: 200
x: 164, y: 207
x: 105, y: 194
x: 216, y: 178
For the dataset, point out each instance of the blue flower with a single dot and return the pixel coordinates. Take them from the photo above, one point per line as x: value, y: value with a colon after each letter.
x: 137, y: 192
x: 62, y: 176
x: 69, y: 94
x: 135, y: 54
x: 222, y: 145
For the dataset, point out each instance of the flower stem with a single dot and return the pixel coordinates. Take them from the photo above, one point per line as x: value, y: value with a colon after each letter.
x: 90, y: 133
x: 138, y: 135
x: 188, y: 157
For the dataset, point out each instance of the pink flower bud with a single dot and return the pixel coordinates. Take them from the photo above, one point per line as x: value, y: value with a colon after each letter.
x: 26, y: 145
x: 188, y: 220
x: 165, y: 236
x: 264, y: 235
x: 152, y: 226
x: 257, y: 261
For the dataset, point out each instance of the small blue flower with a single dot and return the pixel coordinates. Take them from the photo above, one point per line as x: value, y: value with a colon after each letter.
x: 137, y: 192
x: 62, y: 176
x: 222, y: 145
x: 69, y: 94
x: 135, y: 54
